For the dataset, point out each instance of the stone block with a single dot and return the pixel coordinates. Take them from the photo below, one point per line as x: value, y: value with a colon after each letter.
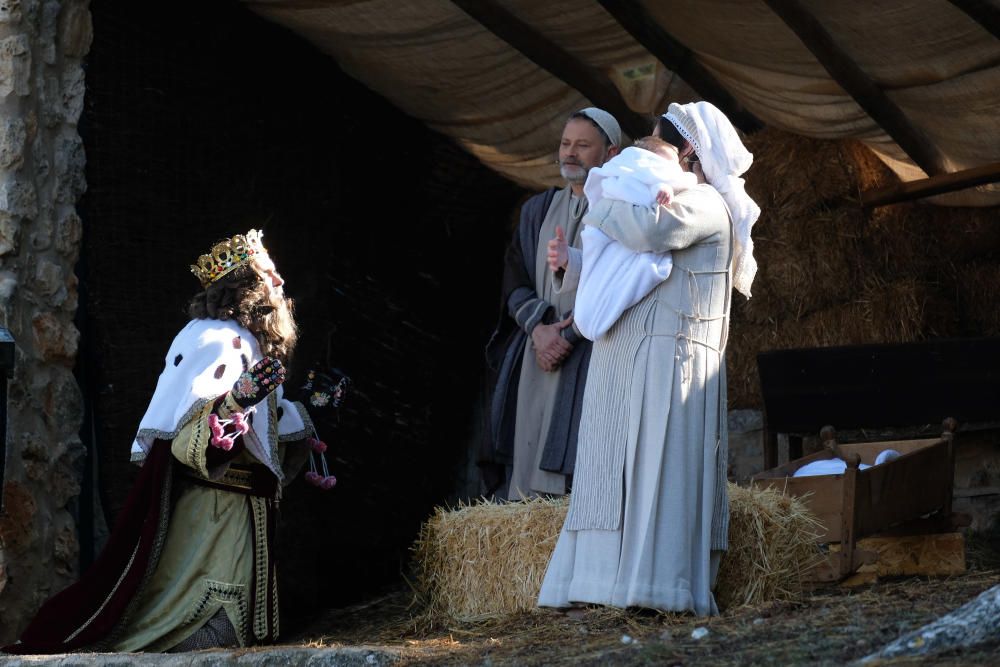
x: 36, y: 456
x: 746, y: 444
x: 10, y: 234
x: 68, y: 232
x: 72, y: 300
x: 15, y: 66
x: 13, y: 137
x: 54, y: 340
x: 50, y: 101
x: 76, y: 29
x: 64, y: 405
x: 73, y: 89
x: 70, y: 160
x: 10, y: 12
x: 39, y: 151
x: 42, y: 230
x: 48, y: 279
x: 8, y: 285
x: 18, y: 197
x: 17, y: 530
x: 50, y: 21
x: 66, y: 551
x: 67, y: 473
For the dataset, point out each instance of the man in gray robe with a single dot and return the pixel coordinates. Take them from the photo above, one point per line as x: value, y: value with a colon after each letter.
x: 539, y: 356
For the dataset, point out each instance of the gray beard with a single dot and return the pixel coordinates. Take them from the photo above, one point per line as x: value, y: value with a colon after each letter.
x: 566, y: 169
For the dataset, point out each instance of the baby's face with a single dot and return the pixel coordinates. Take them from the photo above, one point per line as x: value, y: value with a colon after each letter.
x: 667, y: 153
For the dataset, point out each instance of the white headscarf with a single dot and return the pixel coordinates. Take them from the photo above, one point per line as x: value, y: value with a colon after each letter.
x: 724, y: 159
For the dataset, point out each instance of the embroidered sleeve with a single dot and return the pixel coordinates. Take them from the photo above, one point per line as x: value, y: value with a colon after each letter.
x: 192, y: 445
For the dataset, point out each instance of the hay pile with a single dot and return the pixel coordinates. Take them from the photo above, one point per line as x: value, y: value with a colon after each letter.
x: 831, y: 273
x: 486, y: 560
x: 772, y: 544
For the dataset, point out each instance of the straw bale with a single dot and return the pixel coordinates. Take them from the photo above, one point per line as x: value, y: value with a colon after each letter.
x: 832, y: 273
x: 792, y: 174
x: 805, y: 264
x: 772, y: 545
x: 866, y: 169
x: 977, y: 285
x: 900, y: 311
x: 487, y: 560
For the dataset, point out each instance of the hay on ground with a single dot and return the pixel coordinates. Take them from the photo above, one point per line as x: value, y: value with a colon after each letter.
x: 487, y: 560
x: 772, y: 545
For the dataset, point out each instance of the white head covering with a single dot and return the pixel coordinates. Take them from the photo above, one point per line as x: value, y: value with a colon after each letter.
x: 724, y: 159
x: 606, y: 122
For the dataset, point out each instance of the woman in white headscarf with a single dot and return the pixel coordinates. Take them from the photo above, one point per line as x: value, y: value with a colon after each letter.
x: 649, y: 514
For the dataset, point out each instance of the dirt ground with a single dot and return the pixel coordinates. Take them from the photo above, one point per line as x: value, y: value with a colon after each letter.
x: 831, y: 625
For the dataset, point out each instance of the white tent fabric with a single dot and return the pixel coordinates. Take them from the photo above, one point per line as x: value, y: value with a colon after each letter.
x: 438, y: 64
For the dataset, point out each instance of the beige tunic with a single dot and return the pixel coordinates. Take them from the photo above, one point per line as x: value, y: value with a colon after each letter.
x: 649, y: 510
x: 536, y: 393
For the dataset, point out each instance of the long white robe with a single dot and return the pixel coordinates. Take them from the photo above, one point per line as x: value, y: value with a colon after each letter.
x: 648, y: 515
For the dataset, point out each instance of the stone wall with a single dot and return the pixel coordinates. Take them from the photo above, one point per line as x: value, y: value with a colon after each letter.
x: 42, y: 46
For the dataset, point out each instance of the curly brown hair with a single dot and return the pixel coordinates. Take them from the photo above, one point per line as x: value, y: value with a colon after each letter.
x: 243, y: 296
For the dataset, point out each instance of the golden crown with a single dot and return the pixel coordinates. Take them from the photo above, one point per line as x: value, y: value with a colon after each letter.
x: 228, y: 255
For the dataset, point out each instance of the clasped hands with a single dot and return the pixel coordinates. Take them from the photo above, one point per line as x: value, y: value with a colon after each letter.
x: 551, y: 349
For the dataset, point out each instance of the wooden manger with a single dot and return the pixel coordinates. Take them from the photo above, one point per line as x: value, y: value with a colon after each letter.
x: 904, y: 387
x: 909, y: 494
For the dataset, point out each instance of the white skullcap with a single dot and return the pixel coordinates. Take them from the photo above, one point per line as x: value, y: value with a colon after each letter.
x: 606, y: 122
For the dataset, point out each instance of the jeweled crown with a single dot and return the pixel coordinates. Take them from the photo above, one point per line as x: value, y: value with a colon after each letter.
x: 228, y: 255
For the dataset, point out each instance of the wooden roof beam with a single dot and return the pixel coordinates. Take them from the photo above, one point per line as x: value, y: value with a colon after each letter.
x: 678, y: 58
x: 984, y: 12
x: 935, y: 185
x: 591, y: 83
x: 859, y: 85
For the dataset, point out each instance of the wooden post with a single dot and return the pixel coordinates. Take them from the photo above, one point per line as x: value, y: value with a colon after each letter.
x: 949, y: 426
x: 935, y: 185
x: 848, y: 526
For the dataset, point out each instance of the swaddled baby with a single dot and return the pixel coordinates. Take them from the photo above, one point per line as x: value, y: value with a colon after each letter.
x: 614, y: 278
x: 838, y: 466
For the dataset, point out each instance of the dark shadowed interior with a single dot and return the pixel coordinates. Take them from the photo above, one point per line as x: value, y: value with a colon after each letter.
x: 202, y: 120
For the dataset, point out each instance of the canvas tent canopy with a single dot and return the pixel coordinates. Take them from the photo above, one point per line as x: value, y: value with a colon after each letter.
x: 918, y: 81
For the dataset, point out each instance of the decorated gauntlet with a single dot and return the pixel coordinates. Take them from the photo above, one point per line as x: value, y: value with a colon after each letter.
x: 252, y: 386
x: 255, y: 383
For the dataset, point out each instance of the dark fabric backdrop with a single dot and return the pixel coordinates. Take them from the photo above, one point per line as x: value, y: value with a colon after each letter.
x: 202, y: 120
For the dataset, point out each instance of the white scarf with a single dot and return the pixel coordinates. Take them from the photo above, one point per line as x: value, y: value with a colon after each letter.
x: 724, y: 159
x: 202, y: 364
x: 614, y: 278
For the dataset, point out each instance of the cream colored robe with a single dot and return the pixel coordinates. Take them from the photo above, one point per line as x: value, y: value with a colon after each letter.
x: 648, y: 515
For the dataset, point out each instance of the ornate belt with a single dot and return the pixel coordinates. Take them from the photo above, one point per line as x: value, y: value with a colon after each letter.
x: 251, y: 480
